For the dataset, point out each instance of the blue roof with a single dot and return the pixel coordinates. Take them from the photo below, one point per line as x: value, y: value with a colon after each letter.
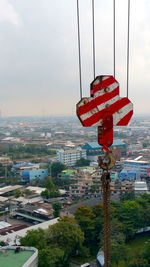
x: 116, y: 142
x: 23, y: 164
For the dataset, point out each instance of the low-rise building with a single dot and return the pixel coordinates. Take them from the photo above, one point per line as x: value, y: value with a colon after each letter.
x: 134, y: 170
x: 93, y: 149
x: 33, y: 174
x: 140, y: 187
x: 119, y: 187
x: 5, y: 161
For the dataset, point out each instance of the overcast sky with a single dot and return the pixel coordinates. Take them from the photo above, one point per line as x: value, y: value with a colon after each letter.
x: 39, y: 54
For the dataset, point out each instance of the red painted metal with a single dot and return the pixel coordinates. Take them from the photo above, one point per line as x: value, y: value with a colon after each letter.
x: 104, y: 108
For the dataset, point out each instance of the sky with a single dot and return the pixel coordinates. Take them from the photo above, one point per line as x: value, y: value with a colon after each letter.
x: 39, y: 72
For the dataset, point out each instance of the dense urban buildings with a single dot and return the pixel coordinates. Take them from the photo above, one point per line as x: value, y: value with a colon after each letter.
x: 48, y: 165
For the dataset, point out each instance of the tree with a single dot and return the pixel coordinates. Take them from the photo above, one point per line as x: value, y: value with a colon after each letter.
x: 85, y: 218
x: 49, y: 184
x: 124, y: 213
x: 147, y: 253
x: 67, y: 218
x: 66, y: 236
x: 57, y: 207
x: 28, y: 192
x: 2, y: 244
x: 127, y: 196
x: 57, y: 167
x: 138, y: 262
x: 34, y: 238
x: 82, y: 162
x: 53, y: 257
x: 18, y: 193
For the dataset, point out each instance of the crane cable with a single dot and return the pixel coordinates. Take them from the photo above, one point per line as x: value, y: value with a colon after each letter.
x: 128, y: 42
x: 79, y: 48
x: 114, y: 36
x: 114, y: 43
x: 93, y: 30
x: 128, y: 47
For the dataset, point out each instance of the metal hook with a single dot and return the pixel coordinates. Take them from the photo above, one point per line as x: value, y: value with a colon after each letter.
x: 108, y: 161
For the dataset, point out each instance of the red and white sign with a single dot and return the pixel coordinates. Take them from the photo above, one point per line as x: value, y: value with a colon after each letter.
x: 104, y: 98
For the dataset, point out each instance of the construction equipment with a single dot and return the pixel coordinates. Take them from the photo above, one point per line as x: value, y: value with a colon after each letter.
x: 105, y: 109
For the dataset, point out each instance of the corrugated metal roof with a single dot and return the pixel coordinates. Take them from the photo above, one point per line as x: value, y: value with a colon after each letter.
x: 95, y: 145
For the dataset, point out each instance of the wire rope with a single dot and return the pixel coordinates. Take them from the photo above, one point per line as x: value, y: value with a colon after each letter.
x: 79, y: 49
x: 93, y: 31
x: 114, y: 36
x: 128, y: 47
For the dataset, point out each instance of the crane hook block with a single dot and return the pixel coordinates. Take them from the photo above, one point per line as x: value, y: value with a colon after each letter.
x: 104, y: 108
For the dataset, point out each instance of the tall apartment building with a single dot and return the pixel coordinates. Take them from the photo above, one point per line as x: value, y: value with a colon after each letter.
x: 70, y: 156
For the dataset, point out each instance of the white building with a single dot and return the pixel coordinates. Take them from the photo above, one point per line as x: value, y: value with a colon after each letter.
x: 140, y: 187
x: 70, y: 156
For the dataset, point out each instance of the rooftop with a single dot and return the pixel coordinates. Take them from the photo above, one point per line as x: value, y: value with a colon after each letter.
x: 116, y: 142
x: 9, y: 258
x: 9, y: 188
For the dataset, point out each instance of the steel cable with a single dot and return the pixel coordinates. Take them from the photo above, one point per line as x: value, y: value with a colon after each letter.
x: 93, y: 29
x: 79, y: 49
x: 114, y: 36
x: 128, y: 47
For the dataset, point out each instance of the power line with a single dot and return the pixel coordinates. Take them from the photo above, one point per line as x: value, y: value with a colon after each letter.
x: 79, y: 49
x: 93, y: 29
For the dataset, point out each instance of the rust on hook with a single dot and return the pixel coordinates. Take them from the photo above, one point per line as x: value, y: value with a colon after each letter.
x: 108, y: 161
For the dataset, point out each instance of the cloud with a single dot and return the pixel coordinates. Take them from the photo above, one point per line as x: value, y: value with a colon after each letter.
x: 9, y: 14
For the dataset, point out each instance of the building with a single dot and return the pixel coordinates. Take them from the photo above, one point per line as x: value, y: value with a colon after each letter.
x: 35, y: 212
x: 12, y: 238
x: 93, y: 149
x: 5, y: 161
x: 25, y: 166
x: 18, y: 256
x: 70, y: 156
x: 140, y: 188
x: 134, y: 170
x: 119, y: 187
x: 33, y: 174
x: 29, y: 171
x: 9, y: 190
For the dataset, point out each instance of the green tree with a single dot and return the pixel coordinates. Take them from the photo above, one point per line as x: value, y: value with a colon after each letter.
x: 34, y: 238
x: 82, y: 162
x: 53, y: 257
x: 147, y: 253
x: 124, y: 214
x: 66, y: 236
x: 85, y: 218
x: 138, y: 262
x: 2, y: 244
x: 67, y: 218
x: 49, y: 184
x: 127, y: 196
x: 57, y: 207
x: 28, y: 192
x: 57, y: 167
x: 18, y: 193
